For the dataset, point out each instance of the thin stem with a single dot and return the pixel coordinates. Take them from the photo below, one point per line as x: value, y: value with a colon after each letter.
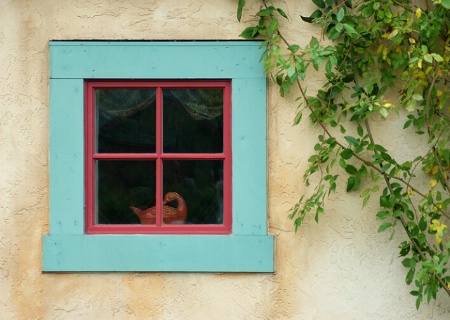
x: 402, y: 220
x: 366, y: 162
x: 417, y: 248
x: 430, y: 133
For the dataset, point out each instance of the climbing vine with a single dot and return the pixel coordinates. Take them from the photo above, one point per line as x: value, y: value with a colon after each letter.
x: 378, y: 59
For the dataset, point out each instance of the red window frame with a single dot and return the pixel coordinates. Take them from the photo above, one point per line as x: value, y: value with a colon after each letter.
x: 159, y: 156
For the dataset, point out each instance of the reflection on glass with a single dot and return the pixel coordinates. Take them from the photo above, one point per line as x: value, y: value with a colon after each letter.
x: 200, y: 184
x: 121, y: 184
x: 193, y: 120
x: 125, y: 120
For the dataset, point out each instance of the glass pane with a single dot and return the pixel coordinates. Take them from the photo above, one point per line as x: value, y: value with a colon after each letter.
x: 125, y: 120
x: 200, y: 185
x: 121, y: 185
x: 193, y: 120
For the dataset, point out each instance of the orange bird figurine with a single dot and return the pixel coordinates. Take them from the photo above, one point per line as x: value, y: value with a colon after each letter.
x: 171, y: 215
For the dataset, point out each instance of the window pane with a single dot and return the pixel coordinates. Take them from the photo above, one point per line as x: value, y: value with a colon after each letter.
x: 200, y: 184
x: 122, y: 184
x: 125, y: 120
x: 193, y: 120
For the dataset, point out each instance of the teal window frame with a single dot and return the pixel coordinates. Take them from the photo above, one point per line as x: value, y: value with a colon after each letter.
x: 67, y: 248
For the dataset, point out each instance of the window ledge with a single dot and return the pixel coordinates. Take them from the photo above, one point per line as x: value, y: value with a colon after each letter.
x: 180, y: 253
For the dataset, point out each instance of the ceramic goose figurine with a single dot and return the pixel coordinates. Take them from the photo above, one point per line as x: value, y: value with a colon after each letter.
x: 170, y: 215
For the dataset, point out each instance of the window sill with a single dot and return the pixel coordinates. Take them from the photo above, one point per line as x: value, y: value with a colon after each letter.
x: 158, y: 253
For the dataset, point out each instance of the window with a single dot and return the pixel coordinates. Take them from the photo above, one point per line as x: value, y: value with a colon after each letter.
x: 129, y: 125
x: 152, y: 140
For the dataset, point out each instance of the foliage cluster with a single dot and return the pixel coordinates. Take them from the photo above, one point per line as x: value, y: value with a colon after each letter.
x: 378, y: 58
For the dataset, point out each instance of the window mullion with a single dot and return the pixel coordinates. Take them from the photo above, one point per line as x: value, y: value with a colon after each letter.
x: 227, y: 149
x: 90, y: 161
x: 159, y: 143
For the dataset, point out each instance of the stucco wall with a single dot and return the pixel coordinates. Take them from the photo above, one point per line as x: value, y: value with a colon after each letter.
x: 338, y: 269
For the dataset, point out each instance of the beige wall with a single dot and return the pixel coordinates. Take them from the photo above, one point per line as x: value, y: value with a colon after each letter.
x: 338, y: 269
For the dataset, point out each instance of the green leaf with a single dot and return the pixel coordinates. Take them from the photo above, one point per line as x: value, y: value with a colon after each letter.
x: 385, y: 226
x: 423, y: 224
x: 350, y: 29
x: 314, y: 43
x: 282, y: 13
x: 249, y: 33
x: 291, y: 71
x: 316, y: 14
x: 342, y: 163
x: 379, y: 148
x: 351, y: 169
x: 384, y: 202
x: 319, y: 3
x: 328, y: 67
x: 405, y: 248
x: 317, y: 147
x: 266, y: 12
x: 351, y: 182
x: 314, y: 102
x: 437, y: 57
x: 384, y: 113
x: 298, y: 118
x: 351, y: 140
x: 410, y: 214
x: 366, y: 200
x: 340, y: 14
x: 333, y: 34
x: 383, y: 215
x: 445, y: 4
x: 410, y: 276
x: 294, y: 48
x: 357, y: 182
x: 417, y: 97
x: 367, y: 11
x: 407, y: 124
x: 406, y: 262
x: 241, y: 5
x: 319, y: 211
x: 285, y: 87
x: 279, y: 79
x: 385, y: 156
x: 427, y: 264
x: 348, y: 78
x: 360, y: 131
x: 428, y: 58
x: 346, y: 154
x: 272, y: 27
x: 418, y: 300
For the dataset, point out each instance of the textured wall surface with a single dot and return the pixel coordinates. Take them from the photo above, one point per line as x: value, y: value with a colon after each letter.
x: 338, y: 269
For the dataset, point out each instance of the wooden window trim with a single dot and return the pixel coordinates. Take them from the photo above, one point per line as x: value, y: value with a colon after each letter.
x: 67, y: 248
